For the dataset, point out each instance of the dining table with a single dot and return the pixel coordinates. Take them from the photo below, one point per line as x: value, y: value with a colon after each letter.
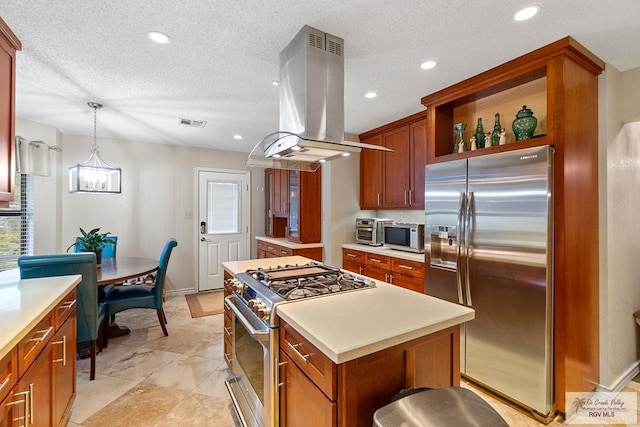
x: 119, y: 270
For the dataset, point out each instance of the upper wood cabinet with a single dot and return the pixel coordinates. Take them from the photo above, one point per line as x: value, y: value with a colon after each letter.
x: 559, y: 83
x: 293, y: 205
x: 394, y: 180
x: 9, y: 44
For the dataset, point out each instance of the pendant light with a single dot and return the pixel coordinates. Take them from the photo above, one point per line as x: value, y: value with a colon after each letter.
x: 94, y: 175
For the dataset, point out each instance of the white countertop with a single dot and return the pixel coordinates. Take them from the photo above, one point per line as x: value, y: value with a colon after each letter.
x: 24, y: 303
x: 353, y: 324
x: 282, y: 241
x: 350, y: 325
x: 235, y: 267
x: 385, y: 250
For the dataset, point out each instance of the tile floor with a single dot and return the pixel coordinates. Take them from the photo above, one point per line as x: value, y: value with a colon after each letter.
x: 147, y: 379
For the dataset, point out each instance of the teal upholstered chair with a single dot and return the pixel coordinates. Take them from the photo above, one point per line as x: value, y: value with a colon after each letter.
x: 142, y: 296
x: 90, y: 313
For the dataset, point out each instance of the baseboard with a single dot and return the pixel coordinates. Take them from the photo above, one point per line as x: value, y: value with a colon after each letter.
x: 622, y: 380
x: 183, y: 291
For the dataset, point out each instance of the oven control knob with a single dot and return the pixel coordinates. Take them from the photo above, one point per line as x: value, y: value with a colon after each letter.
x: 237, y: 286
x: 253, y: 303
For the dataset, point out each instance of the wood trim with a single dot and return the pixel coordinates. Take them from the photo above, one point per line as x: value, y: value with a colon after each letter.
x: 9, y: 35
x: 420, y: 115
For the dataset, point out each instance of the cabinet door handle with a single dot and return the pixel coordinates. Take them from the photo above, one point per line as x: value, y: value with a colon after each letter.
x: 378, y: 199
x: 390, y: 278
x: 227, y: 331
x: 406, y: 267
x: 294, y: 347
x: 19, y: 402
x: 410, y: 198
x: 68, y: 305
x: 374, y: 260
x: 64, y: 351
x: 5, y: 382
x: 45, y: 333
x: 405, y: 198
x: 351, y: 255
x: 30, y: 397
x: 360, y: 270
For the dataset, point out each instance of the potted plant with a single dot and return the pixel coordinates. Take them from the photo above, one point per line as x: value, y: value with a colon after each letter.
x: 92, y: 241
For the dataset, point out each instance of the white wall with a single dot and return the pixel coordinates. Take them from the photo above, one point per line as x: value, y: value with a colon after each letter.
x: 619, y: 194
x: 158, y: 196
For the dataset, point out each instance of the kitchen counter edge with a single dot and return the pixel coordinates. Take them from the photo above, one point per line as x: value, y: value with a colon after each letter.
x: 282, y: 241
x: 26, y: 302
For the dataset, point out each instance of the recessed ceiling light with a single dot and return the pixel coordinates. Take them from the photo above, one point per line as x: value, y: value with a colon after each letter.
x: 276, y: 156
x: 158, y: 37
x: 346, y: 154
x: 275, y: 83
x: 526, y: 13
x: 370, y: 95
x: 322, y: 161
x: 237, y: 136
x: 427, y: 65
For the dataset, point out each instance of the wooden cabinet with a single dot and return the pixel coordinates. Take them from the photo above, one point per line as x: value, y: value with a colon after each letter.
x: 316, y: 391
x: 293, y: 205
x: 371, y: 174
x: 559, y: 83
x: 272, y: 250
x: 9, y: 44
x: 394, y: 180
x: 39, y: 375
x: 405, y: 273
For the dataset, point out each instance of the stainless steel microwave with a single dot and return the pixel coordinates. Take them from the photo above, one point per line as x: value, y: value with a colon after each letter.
x: 404, y: 237
x: 369, y: 231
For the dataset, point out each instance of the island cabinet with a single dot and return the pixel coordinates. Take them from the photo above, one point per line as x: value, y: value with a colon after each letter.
x: 313, y: 387
x: 408, y: 274
x: 559, y: 83
x: 9, y: 44
x: 268, y: 249
x: 39, y: 378
x: 394, y: 180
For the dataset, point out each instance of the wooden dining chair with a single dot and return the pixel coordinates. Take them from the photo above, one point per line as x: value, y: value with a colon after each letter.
x: 90, y: 313
x: 141, y: 296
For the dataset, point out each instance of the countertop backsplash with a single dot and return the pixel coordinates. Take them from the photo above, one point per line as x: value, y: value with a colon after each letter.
x: 410, y: 216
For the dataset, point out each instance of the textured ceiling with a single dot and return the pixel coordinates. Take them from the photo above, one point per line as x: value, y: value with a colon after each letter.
x: 223, y: 57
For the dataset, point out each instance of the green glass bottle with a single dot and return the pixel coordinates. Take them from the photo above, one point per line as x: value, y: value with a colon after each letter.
x: 480, y: 134
x: 495, y: 135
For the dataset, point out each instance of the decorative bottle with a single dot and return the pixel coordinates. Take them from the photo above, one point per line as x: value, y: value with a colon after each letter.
x: 525, y: 124
x: 458, y: 137
x: 495, y: 135
x: 480, y: 134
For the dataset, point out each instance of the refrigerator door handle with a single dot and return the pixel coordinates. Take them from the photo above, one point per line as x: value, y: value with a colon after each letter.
x: 459, y: 248
x: 468, y: 247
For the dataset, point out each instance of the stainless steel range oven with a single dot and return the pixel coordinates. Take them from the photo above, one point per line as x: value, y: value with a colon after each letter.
x: 255, y: 294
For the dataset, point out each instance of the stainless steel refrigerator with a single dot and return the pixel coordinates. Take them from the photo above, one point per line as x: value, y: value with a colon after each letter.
x: 489, y: 245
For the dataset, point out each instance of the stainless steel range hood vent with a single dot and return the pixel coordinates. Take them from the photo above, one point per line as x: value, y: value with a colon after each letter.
x: 311, y: 106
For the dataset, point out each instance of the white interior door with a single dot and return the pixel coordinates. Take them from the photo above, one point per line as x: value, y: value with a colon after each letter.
x: 223, y: 223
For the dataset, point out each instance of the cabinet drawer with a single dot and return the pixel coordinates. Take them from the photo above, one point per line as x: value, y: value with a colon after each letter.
x: 378, y: 261
x: 262, y: 245
x: 318, y: 367
x: 376, y: 273
x: 352, y: 266
x: 408, y: 282
x: 31, y: 345
x: 353, y: 256
x: 272, y: 250
x: 8, y: 373
x: 66, y: 307
x: 408, y: 267
x: 285, y: 251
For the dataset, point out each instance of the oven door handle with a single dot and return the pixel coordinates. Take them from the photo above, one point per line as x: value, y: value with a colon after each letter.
x: 257, y: 334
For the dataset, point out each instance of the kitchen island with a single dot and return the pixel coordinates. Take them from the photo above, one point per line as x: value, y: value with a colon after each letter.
x: 37, y: 348
x: 343, y: 356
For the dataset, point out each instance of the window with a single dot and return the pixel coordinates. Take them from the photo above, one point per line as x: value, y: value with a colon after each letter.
x: 16, y: 224
x: 223, y: 207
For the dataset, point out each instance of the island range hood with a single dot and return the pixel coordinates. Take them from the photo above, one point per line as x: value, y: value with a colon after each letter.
x: 311, y: 106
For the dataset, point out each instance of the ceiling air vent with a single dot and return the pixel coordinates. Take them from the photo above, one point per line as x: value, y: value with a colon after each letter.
x: 193, y: 123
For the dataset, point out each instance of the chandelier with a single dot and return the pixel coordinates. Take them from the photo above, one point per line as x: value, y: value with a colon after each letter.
x: 94, y: 175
